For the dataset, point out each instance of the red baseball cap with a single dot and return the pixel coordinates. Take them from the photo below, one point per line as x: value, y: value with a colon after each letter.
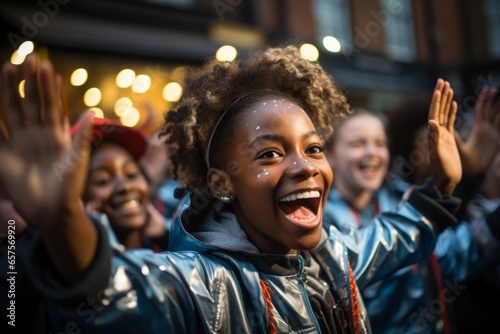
x: 106, y: 129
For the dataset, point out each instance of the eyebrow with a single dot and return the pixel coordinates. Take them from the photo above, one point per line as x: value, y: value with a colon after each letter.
x: 105, y: 168
x: 274, y: 137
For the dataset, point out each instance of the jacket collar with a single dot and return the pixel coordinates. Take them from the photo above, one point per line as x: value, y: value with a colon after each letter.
x: 209, y: 226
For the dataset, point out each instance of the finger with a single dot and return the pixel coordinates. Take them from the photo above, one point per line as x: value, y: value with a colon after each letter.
x: 63, y: 98
x: 479, y: 114
x: 452, y: 115
x: 33, y: 104
x: 435, y: 106
x: 490, y: 102
x: 50, y: 98
x: 495, y: 98
x: 439, y: 84
x: 432, y: 134
x: 447, y: 94
x: 11, y: 113
x: 442, y: 101
x: 66, y: 130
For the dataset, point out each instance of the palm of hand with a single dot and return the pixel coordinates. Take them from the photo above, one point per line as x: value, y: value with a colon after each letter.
x: 37, y: 168
x: 480, y: 148
x: 42, y: 170
x: 445, y: 158
x: 443, y: 151
x: 478, y: 151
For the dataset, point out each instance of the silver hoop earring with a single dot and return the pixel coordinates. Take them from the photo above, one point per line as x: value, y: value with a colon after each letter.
x: 226, y: 199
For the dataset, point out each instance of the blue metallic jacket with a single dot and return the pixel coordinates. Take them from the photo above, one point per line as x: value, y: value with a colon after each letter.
x: 209, y: 281
x: 409, y: 300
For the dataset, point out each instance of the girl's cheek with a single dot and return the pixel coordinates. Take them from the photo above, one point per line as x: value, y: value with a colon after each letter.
x: 263, y: 175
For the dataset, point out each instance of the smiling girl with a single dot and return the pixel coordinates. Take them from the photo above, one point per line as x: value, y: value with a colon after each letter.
x: 248, y: 253
x: 117, y: 187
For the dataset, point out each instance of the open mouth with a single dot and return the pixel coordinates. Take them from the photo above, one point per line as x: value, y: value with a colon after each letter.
x: 127, y: 205
x: 371, y: 170
x: 369, y: 166
x: 301, y: 206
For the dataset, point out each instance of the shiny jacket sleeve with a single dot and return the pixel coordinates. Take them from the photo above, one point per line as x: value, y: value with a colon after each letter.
x: 139, y: 291
x: 400, y: 238
x: 465, y: 251
x: 119, y: 278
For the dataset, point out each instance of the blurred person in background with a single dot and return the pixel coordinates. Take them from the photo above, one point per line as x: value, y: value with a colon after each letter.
x: 476, y: 308
x: 115, y: 189
x: 404, y: 302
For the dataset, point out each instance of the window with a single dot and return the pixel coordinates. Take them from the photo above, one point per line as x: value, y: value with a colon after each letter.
x: 333, y: 19
x: 492, y: 12
x: 399, y: 34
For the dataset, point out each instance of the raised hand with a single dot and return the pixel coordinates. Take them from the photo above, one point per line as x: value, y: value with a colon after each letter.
x: 446, y: 168
x: 483, y: 141
x: 42, y: 171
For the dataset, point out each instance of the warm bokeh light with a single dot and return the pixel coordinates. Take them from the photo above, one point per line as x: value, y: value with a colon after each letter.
x: 125, y: 78
x: 141, y: 83
x: 79, y: 77
x: 92, y: 97
x: 26, y: 48
x: 331, y: 44
x: 21, y: 88
x: 16, y: 58
x: 309, y: 52
x: 97, y: 112
x: 131, y: 118
x: 121, y: 106
x: 172, y: 92
x: 226, y: 53
x: 178, y: 74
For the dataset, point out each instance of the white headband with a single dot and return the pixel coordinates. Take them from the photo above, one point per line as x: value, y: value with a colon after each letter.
x: 209, y: 143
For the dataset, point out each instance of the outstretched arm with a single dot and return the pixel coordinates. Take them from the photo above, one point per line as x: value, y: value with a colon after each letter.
x: 443, y: 152
x: 42, y: 171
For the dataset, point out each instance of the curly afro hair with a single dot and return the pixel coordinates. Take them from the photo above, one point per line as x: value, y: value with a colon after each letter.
x: 215, y: 86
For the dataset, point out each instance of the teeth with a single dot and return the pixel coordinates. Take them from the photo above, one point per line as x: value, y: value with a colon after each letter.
x: 305, y: 194
x: 130, y: 204
x: 370, y: 165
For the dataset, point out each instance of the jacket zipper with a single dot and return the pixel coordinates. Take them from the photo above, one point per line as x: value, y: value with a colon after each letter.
x: 302, y: 278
